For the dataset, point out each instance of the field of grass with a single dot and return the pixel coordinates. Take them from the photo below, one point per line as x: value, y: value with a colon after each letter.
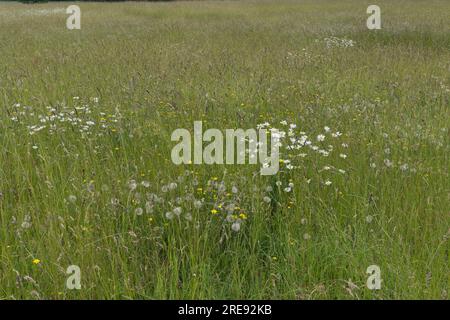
x: 86, y: 176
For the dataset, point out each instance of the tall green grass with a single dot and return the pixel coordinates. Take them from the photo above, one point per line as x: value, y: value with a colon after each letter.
x: 156, y: 67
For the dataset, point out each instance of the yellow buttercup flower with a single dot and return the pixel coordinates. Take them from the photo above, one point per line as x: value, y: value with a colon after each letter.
x: 36, y: 261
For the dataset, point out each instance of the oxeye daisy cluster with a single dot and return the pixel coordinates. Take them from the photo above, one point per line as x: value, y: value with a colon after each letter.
x: 335, y: 42
x: 309, y: 152
x: 82, y: 117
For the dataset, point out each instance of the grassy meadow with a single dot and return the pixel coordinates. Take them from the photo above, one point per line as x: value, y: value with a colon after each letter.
x: 86, y: 175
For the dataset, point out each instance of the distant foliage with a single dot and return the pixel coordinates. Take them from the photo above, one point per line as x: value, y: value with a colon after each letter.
x: 45, y: 1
